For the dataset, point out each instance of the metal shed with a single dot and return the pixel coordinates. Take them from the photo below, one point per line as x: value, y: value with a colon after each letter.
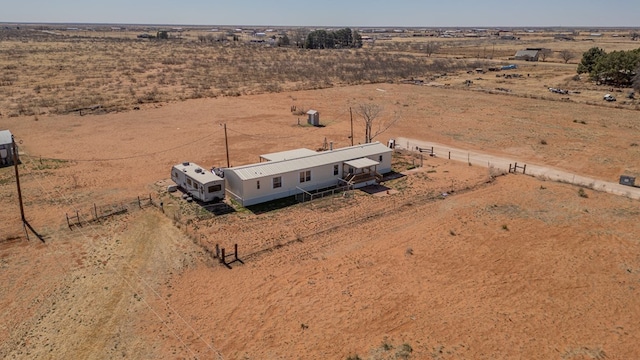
x: 314, y: 117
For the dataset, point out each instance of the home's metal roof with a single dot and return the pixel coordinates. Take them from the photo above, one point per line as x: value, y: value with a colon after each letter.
x: 288, y: 155
x: 270, y: 168
x: 202, y: 175
x: 529, y: 53
x: 361, y: 163
x: 5, y: 137
x: 311, y: 112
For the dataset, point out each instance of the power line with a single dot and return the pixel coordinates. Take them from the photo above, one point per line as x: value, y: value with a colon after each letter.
x: 136, y: 274
x: 125, y: 157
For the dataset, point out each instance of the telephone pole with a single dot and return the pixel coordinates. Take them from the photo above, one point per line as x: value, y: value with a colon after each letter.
x: 15, y: 165
x: 226, y: 143
x: 351, y: 114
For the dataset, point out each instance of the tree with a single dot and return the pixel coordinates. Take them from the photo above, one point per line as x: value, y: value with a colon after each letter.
x: 545, y: 53
x: 370, y: 114
x: 589, y: 59
x: 617, y: 68
x: 299, y: 36
x: 323, y: 39
x: 431, y: 48
x: 567, y: 55
x: 284, y: 41
x: 162, y: 35
x: 636, y: 80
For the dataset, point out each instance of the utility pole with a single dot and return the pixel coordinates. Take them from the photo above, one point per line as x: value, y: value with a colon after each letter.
x: 351, y: 114
x: 226, y: 143
x: 15, y: 165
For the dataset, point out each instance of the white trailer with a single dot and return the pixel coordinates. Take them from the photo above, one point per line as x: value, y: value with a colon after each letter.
x: 200, y: 183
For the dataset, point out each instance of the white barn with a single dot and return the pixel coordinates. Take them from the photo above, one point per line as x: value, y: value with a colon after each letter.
x: 292, y: 172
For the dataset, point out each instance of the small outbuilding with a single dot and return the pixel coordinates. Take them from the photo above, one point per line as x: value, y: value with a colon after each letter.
x: 314, y: 117
x: 6, y: 148
x: 528, y: 54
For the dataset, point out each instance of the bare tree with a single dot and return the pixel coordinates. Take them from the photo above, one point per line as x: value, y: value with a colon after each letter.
x: 545, y: 53
x: 430, y: 48
x: 567, y: 55
x: 299, y: 36
x: 370, y: 114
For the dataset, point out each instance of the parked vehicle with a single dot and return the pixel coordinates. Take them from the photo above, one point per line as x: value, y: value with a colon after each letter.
x: 199, y: 183
x: 609, y: 97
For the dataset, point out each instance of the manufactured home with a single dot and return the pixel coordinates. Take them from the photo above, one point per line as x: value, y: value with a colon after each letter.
x: 296, y: 171
x: 200, y: 183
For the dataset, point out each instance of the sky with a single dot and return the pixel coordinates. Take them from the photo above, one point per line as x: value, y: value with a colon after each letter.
x: 353, y: 13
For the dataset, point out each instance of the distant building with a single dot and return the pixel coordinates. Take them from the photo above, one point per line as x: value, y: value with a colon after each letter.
x: 6, y: 148
x: 528, y: 54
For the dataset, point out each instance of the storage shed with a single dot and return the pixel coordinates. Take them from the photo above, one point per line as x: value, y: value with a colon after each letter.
x: 6, y: 148
x: 301, y: 171
x: 313, y: 117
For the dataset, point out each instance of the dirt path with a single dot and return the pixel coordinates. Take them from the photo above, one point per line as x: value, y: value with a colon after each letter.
x: 502, y: 163
x: 95, y: 293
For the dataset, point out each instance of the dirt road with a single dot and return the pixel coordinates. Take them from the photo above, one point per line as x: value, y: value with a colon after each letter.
x: 502, y: 163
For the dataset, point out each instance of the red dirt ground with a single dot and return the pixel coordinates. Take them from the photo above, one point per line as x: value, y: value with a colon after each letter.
x: 509, y: 268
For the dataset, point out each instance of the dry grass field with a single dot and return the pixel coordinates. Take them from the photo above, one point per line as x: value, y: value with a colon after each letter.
x: 504, y: 266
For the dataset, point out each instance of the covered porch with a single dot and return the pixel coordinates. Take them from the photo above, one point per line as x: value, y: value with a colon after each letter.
x: 361, y: 172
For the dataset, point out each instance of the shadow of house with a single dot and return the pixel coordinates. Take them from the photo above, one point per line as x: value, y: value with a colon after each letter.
x: 6, y: 148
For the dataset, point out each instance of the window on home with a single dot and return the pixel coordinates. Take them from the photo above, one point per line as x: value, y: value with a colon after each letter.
x: 335, y: 169
x: 214, y: 188
x: 258, y: 184
x: 380, y: 158
x: 188, y: 181
x: 305, y: 176
x: 277, y: 182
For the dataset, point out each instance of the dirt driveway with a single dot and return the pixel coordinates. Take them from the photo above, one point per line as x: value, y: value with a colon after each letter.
x: 502, y: 163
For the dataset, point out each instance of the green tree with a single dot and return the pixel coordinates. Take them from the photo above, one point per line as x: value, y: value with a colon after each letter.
x: 284, y: 40
x: 636, y: 80
x: 343, y: 38
x: 589, y: 59
x: 617, y: 68
x: 320, y: 39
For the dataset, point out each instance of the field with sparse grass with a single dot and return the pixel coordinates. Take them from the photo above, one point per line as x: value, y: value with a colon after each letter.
x: 446, y: 261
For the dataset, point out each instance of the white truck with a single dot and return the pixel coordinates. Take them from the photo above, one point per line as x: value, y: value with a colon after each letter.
x: 199, y: 183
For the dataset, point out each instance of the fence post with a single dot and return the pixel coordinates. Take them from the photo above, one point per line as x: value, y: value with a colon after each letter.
x: 68, y: 223
x: 449, y: 155
x: 95, y: 210
x: 78, y: 216
x: 235, y: 249
x: 222, y: 258
x: 139, y: 205
x: 524, y: 169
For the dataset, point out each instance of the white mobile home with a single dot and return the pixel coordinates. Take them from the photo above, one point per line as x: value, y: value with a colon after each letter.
x: 305, y: 170
x: 200, y: 183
